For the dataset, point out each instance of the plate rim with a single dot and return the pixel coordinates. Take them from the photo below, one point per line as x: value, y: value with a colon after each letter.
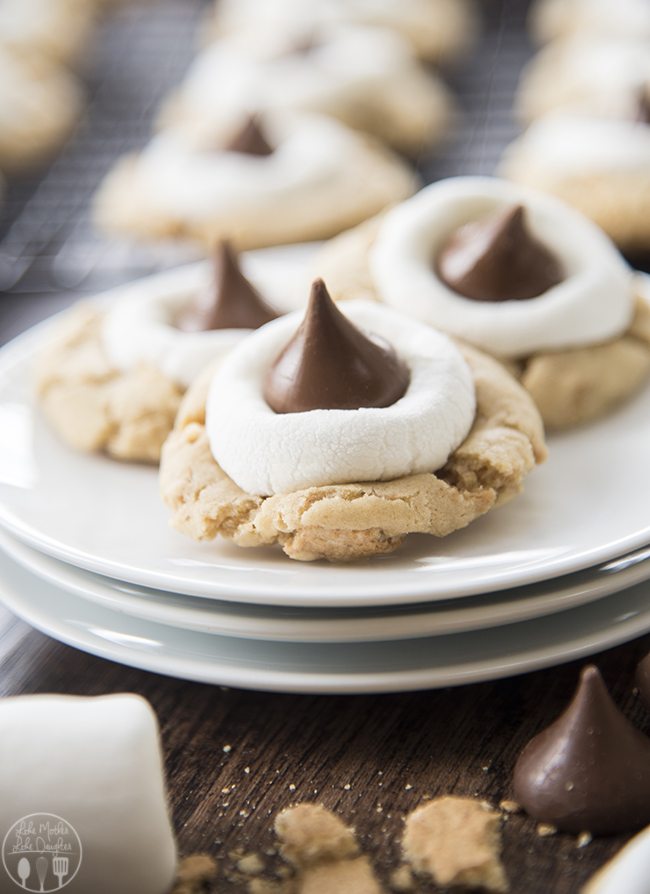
x: 321, y: 682
x: 62, y: 576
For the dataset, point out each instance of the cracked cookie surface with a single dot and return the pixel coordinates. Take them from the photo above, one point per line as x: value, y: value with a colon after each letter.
x: 353, y: 521
x: 94, y: 407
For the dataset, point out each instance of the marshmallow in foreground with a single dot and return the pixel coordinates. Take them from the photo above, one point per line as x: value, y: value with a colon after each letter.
x: 83, y: 803
x: 628, y: 872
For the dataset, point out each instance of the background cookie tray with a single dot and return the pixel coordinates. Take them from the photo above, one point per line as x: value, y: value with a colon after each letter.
x: 50, y: 253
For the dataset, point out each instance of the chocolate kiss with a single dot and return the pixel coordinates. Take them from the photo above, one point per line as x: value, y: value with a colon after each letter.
x: 590, y: 770
x: 232, y: 303
x: 250, y: 139
x: 643, y: 678
x: 498, y: 259
x: 329, y: 364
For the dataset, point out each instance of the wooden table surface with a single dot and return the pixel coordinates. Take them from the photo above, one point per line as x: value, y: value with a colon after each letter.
x: 370, y: 758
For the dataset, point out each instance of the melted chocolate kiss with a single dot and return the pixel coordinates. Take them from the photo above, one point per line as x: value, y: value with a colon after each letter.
x: 498, y: 259
x: 643, y: 679
x: 232, y: 303
x: 590, y: 770
x: 250, y: 140
x: 329, y: 364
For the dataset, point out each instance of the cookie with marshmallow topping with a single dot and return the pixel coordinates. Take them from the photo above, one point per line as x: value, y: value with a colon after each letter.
x: 339, y: 433
x: 439, y: 31
x: 297, y: 179
x: 516, y: 273
x: 367, y: 78
x: 113, y: 378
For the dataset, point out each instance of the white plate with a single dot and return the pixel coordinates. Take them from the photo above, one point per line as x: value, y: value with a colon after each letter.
x: 317, y: 667
x: 587, y: 505
x: 335, y: 625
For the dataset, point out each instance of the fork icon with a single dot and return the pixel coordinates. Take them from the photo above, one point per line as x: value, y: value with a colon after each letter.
x: 60, y: 868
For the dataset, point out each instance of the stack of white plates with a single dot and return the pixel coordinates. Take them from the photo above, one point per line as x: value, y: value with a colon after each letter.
x: 88, y: 557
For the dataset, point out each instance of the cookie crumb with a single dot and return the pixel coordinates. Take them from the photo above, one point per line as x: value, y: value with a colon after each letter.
x: 545, y: 830
x: 510, y: 806
x: 251, y: 864
x: 310, y: 834
x: 194, y: 873
x: 401, y: 879
x: 584, y: 838
x: 342, y: 876
x: 263, y: 886
x: 456, y: 841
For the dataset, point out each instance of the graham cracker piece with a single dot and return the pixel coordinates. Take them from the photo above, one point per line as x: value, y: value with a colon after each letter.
x: 194, y: 874
x: 456, y: 841
x: 324, y: 852
x: 353, y: 876
x: 310, y: 834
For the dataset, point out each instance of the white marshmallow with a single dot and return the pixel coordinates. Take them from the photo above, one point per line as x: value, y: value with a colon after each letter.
x: 317, y: 159
x: 266, y: 452
x: 594, y: 302
x: 628, y: 872
x: 96, y: 765
x: 137, y: 326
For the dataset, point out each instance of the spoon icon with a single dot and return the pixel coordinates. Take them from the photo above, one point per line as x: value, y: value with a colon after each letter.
x: 24, y: 870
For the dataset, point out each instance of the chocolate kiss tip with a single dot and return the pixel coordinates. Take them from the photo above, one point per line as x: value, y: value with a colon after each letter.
x: 329, y: 364
x: 643, y: 678
x: 232, y: 303
x: 250, y: 139
x: 589, y: 771
x: 498, y: 259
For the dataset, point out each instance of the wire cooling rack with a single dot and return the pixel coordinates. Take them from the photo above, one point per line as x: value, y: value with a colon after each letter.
x: 50, y: 254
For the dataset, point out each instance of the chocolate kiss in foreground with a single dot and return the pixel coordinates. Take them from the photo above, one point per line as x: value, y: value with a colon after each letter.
x: 232, y: 303
x: 643, y: 678
x: 590, y: 770
x: 498, y: 259
x: 329, y: 364
x: 250, y: 139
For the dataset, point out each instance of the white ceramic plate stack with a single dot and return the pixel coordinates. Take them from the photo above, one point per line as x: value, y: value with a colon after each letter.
x: 88, y: 557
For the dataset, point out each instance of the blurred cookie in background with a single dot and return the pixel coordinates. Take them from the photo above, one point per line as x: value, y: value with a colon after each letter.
x: 368, y: 78
x: 39, y: 107
x: 56, y: 29
x: 551, y: 19
x: 275, y: 180
x: 439, y: 31
x: 602, y: 78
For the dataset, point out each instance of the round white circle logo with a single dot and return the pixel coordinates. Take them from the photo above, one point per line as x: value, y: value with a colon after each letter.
x: 41, y: 852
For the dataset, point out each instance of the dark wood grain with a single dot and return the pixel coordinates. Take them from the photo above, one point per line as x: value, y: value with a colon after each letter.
x: 461, y: 740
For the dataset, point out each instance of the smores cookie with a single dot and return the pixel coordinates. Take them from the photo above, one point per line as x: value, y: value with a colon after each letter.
x: 519, y: 275
x: 113, y: 378
x: 438, y: 30
x: 367, y: 78
x: 272, y: 181
x: 39, y: 106
x: 338, y: 434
